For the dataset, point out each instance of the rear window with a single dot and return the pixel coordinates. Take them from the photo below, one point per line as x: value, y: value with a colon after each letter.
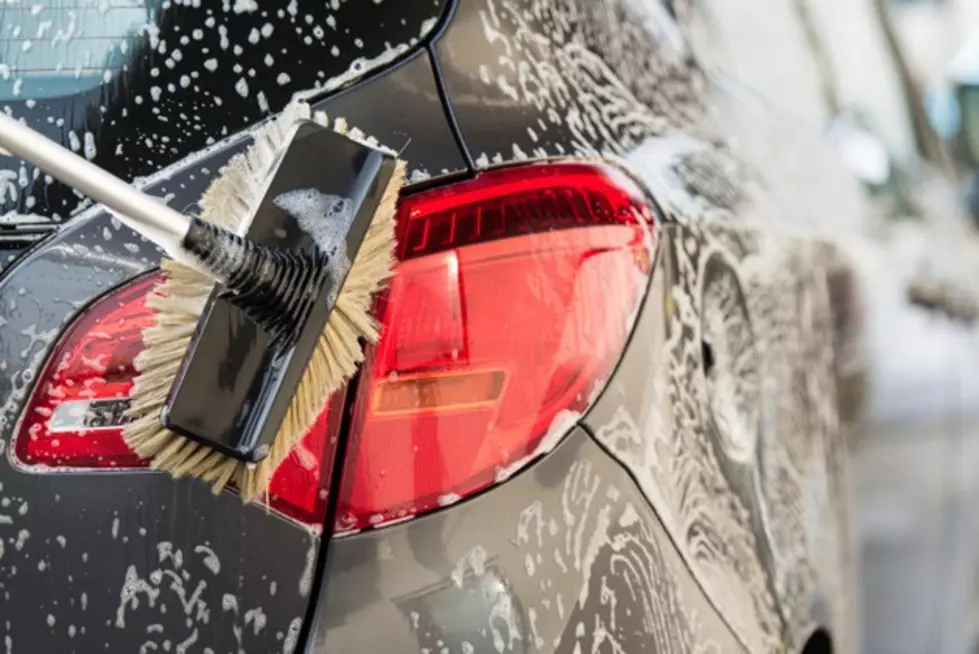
x: 54, y: 48
x: 136, y: 85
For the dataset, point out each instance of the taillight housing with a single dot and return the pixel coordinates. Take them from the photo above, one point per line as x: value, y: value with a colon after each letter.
x: 512, y: 302
x: 74, y: 416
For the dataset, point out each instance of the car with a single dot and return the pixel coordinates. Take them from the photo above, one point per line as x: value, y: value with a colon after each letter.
x: 607, y: 411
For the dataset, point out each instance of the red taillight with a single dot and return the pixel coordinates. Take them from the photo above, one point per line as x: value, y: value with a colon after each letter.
x: 512, y: 302
x: 511, y: 305
x: 74, y: 415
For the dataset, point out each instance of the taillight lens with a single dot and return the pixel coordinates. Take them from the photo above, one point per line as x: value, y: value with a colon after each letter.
x: 513, y: 300
x: 74, y: 416
x: 512, y: 303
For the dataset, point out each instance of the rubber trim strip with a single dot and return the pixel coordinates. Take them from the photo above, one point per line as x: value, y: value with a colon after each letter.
x: 316, y: 604
x: 447, y: 107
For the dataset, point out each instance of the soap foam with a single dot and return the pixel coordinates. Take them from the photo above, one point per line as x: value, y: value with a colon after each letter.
x: 327, y: 219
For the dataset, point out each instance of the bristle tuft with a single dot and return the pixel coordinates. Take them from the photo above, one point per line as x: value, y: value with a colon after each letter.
x: 180, y: 299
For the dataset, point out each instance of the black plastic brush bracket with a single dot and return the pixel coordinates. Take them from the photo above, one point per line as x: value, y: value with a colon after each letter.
x: 257, y: 332
x: 274, y: 287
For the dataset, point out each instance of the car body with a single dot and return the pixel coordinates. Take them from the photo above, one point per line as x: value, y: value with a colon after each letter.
x: 693, y: 500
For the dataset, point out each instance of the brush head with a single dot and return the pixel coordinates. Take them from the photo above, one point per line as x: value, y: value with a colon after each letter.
x: 259, y: 328
x: 228, y: 382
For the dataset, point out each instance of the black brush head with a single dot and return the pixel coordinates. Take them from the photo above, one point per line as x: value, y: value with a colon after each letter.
x: 258, y: 331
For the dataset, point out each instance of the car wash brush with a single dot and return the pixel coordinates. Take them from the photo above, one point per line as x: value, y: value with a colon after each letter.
x: 265, y: 301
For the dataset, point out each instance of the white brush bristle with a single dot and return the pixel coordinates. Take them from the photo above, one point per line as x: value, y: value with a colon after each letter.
x: 179, y: 300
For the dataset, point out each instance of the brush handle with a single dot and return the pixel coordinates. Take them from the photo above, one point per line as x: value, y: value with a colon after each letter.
x: 145, y: 214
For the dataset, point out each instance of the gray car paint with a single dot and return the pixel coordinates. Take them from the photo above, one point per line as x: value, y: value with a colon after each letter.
x: 567, y: 556
x: 729, y: 396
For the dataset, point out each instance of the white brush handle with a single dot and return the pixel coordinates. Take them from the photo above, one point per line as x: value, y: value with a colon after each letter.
x: 145, y: 214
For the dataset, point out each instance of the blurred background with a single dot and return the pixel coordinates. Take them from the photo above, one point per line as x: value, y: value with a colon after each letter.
x: 895, y: 85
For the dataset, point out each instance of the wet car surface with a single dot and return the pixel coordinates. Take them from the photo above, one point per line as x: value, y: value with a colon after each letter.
x: 679, y: 501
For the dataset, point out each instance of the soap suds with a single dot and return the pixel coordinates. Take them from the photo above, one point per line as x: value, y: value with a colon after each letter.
x: 326, y: 218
